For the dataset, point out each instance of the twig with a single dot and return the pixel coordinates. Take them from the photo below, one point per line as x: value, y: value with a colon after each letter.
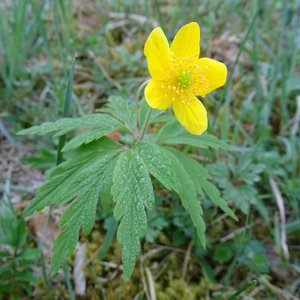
x: 236, y: 232
x: 277, y: 290
x: 281, y: 207
x: 162, y: 248
x: 256, y: 291
x: 104, y: 72
x: 109, y: 264
x: 106, y: 280
x: 218, y: 220
x: 142, y: 271
x: 186, y: 259
x: 151, y: 284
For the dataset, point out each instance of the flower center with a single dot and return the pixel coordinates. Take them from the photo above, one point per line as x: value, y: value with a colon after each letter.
x: 184, y: 78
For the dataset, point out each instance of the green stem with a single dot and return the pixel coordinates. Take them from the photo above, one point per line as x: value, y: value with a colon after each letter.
x: 67, y: 105
x: 146, y: 124
x: 242, y: 289
x: 69, y: 284
x: 59, y: 159
x: 137, y: 102
x: 44, y: 272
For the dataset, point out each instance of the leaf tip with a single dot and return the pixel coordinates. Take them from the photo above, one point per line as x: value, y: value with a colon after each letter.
x: 53, y: 270
x: 27, y: 212
x: 22, y: 132
x: 234, y: 217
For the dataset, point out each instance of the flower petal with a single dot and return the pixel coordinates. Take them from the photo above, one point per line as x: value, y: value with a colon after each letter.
x: 187, y: 41
x: 192, y: 115
x: 156, y: 96
x: 213, y: 75
x: 157, y: 51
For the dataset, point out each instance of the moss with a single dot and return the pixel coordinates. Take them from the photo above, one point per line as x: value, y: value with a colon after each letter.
x: 179, y: 289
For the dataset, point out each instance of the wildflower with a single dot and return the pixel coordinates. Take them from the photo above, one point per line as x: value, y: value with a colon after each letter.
x: 178, y: 76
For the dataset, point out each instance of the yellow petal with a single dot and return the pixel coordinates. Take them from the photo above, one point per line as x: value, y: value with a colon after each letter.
x: 156, y: 96
x: 157, y: 51
x: 192, y: 117
x: 213, y: 75
x: 187, y: 41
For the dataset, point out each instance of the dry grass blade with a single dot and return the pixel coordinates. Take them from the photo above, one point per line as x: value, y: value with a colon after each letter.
x: 78, y: 273
x: 296, y: 118
x: 186, y: 259
x: 151, y: 284
x: 281, y: 207
x: 104, y: 72
x: 142, y: 271
x: 134, y: 17
x: 276, y: 290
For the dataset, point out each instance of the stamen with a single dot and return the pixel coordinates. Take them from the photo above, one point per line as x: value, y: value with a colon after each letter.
x: 185, y: 78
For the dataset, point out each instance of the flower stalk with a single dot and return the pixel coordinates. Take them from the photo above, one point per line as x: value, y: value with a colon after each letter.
x: 146, y: 124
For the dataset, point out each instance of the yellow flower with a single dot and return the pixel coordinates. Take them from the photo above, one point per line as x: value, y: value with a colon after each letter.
x: 178, y: 76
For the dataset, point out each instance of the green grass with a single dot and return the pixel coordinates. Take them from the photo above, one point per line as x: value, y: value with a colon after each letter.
x: 255, y: 112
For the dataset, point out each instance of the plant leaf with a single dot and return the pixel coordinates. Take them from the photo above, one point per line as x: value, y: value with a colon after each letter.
x: 122, y: 109
x: 214, y: 195
x: 106, y: 181
x: 132, y: 192
x: 76, y: 180
x: 70, y: 177
x: 166, y: 168
x: 88, y: 136
x: 79, y: 214
x: 173, y: 133
x: 200, y: 176
x: 195, y: 169
x: 64, y: 125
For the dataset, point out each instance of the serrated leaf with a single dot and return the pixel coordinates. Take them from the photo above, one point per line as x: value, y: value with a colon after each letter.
x: 80, y: 214
x: 89, y: 136
x: 195, y: 169
x: 167, y: 169
x: 132, y: 192
x: 214, y: 195
x: 122, y: 109
x: 106, y: 181
x: 12, y: 229
x: 111, y: 227
x: 75, y: 180
x: 153, y: 155
x: 200, y: 176
x: 64, y: 125
x: 173, y: 133
x: 70, y: 177
x: 63, y: 246
x: 29, y: 254
x: 25, y: 275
